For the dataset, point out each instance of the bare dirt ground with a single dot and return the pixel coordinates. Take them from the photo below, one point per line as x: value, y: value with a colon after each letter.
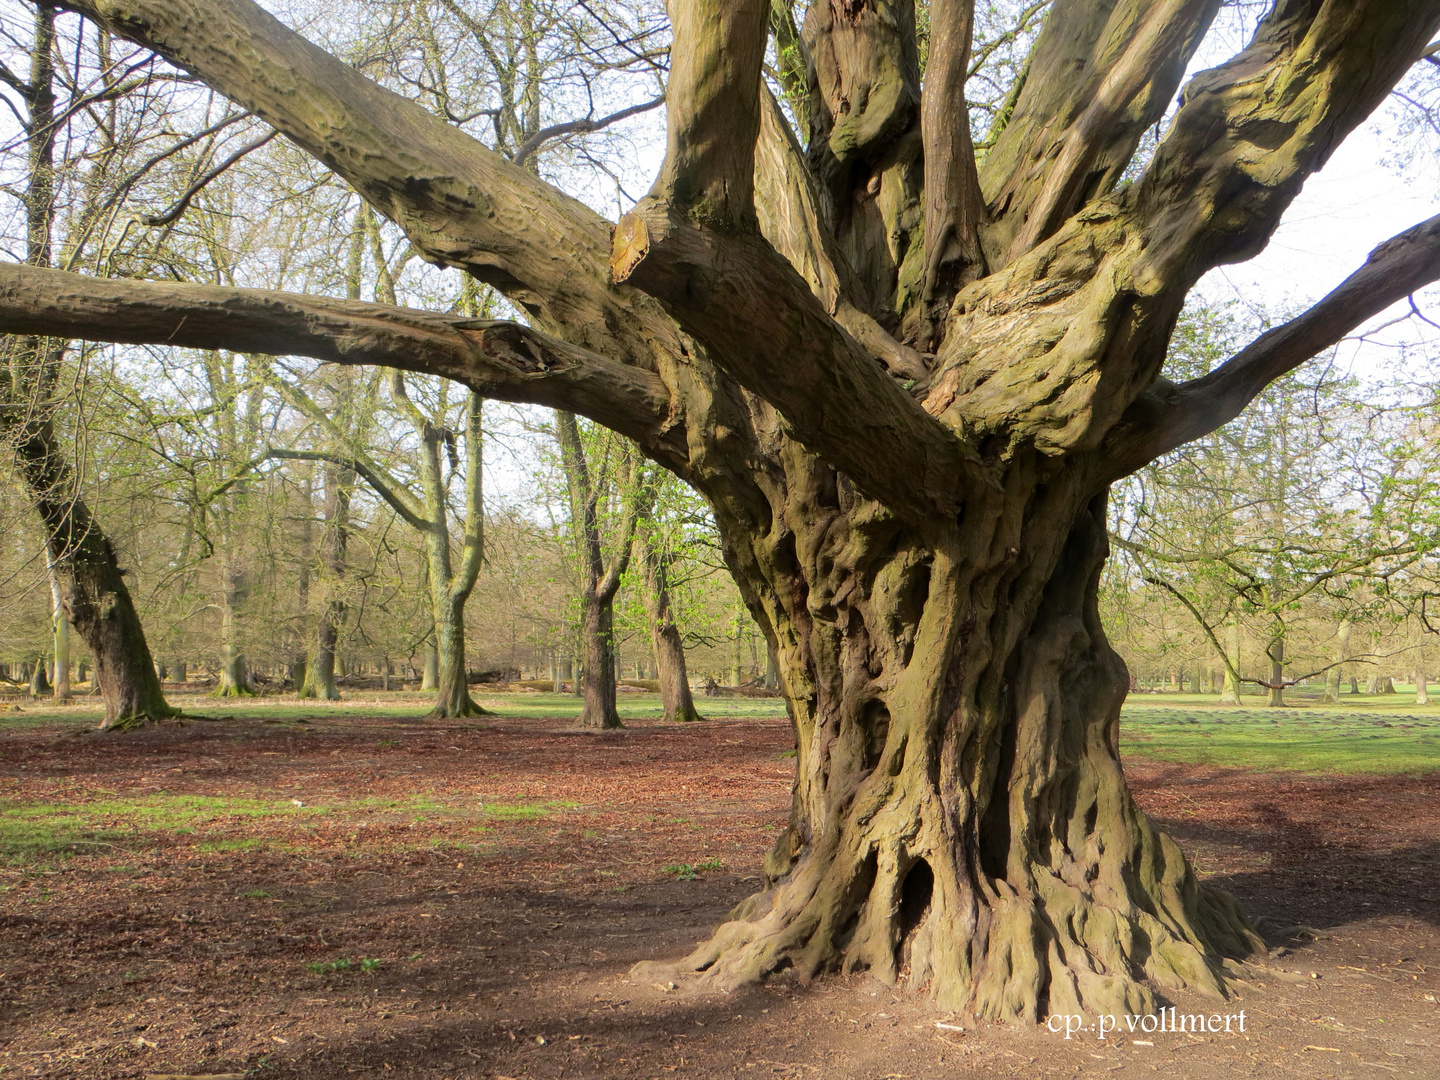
x: 463, y: 900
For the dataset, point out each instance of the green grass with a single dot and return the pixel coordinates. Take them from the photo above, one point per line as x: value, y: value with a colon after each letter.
x: 30, y: 832
x: 229, y: 845
x: 1370, y: 736
x: 86, y: 712
x: 365, y: 964
x: 690, y: 871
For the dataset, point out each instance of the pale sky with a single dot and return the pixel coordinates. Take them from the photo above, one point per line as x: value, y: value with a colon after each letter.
x: 1356, y: 202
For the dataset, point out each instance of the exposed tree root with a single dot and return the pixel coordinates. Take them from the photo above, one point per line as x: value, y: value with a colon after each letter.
x: 135, y: 721
x: 1056, y: 946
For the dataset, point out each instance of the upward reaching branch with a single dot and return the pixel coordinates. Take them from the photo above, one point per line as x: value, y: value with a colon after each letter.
x: 954, y: 207
x: 1101, y: 73
x: 757, y: 318
x: 714, y: 109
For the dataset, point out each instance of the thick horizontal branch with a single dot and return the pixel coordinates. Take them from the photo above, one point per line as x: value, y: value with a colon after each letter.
x: 460, y: 203
x: 1168, y: 416
x: 501, y: 360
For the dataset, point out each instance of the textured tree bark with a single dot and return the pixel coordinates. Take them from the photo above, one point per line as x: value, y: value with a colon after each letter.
x: 597, y: 624
x: 452, y: 691
x: 960, y: 817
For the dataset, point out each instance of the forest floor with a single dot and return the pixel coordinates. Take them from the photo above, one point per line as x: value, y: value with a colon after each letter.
x: 332, y: 891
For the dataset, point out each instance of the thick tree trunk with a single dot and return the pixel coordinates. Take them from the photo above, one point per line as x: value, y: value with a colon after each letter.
x: 675, y: 695
x: 319, y: 681
x: 96, y: 599
x: 960, y: 819
x: 599, y: 710
x: 452, y: 692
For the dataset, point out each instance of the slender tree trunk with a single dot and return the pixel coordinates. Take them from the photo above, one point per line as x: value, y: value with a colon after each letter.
x: 1276, y: 653
x: 600, y: 583
x: 1422, y: 689
x: 61, y: 635
x: 430, y: 668
x: 1342, y: 653
x: 234, y: 672
x: 1230, y: 692
x: 737, y: 674
x: 334, y: 547
x: 675, y: 696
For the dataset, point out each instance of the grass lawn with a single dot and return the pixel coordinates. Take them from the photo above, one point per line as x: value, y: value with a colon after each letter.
x: 1362, y: 734
x: 86, y: 712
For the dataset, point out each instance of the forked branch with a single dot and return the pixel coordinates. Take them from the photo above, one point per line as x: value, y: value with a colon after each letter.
x: 1169, y: 416
x: 693, y: 246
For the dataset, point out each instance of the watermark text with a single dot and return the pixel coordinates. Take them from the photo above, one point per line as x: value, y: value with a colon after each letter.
x: 1164, y: 1022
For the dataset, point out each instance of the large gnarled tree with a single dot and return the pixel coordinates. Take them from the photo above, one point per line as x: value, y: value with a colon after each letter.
x: 904, y: 380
